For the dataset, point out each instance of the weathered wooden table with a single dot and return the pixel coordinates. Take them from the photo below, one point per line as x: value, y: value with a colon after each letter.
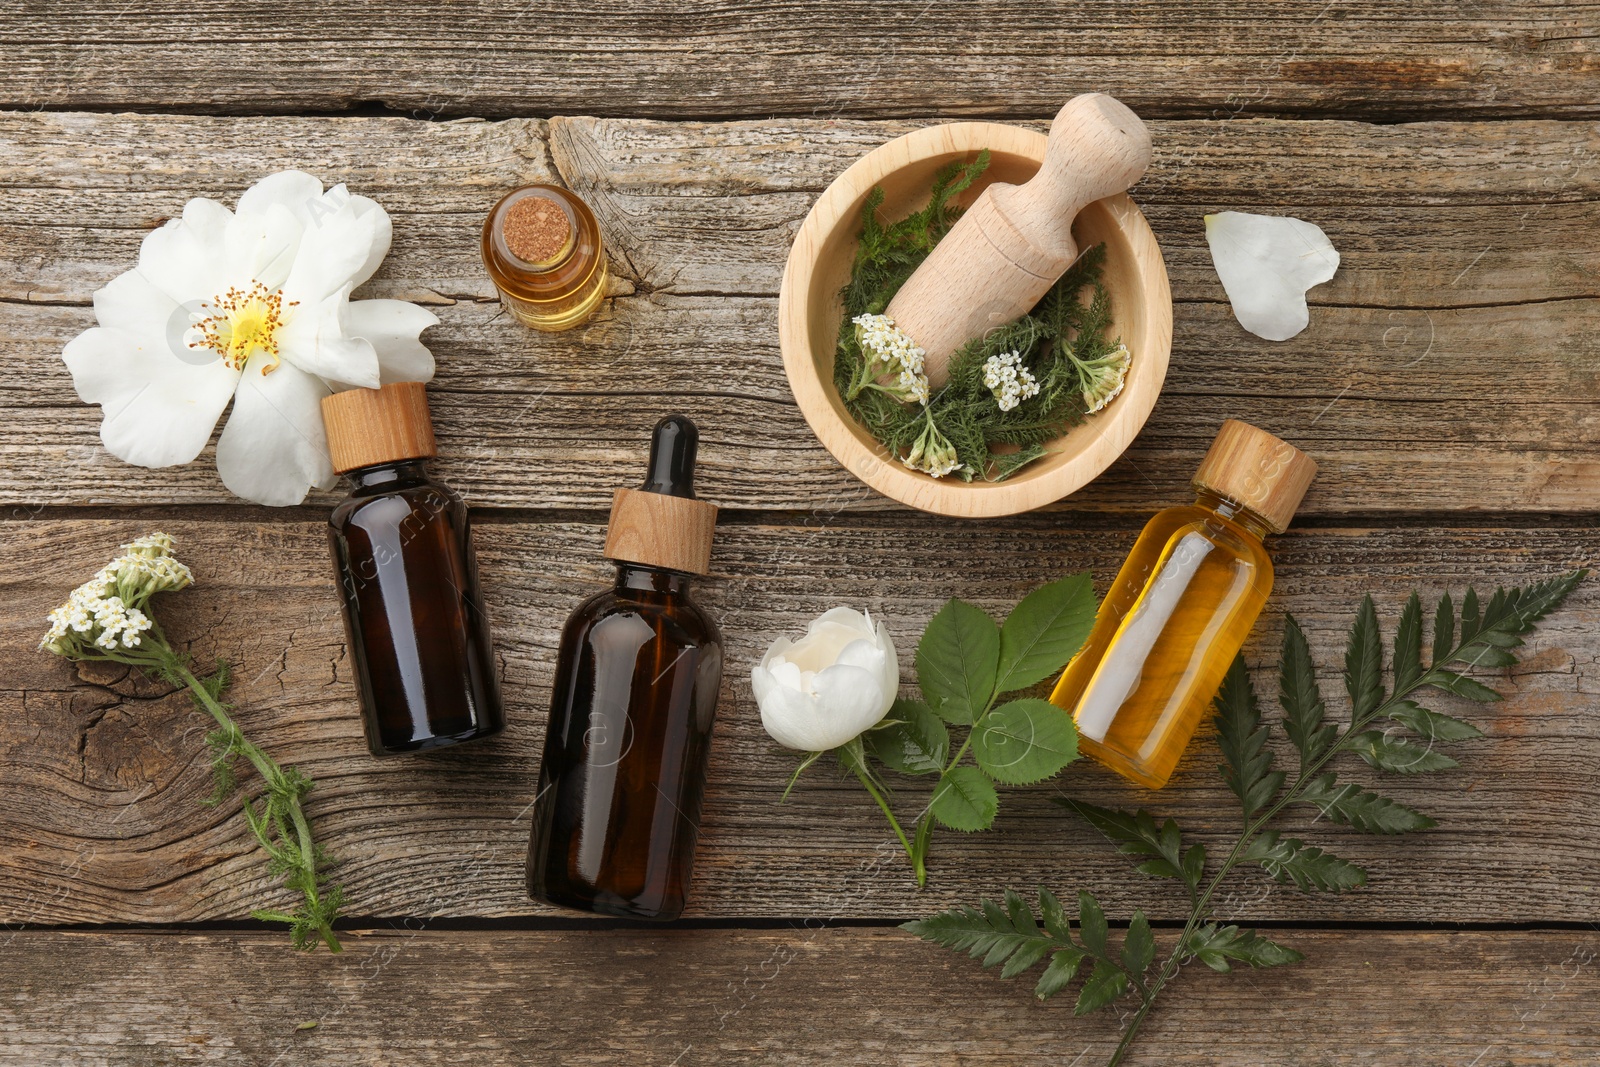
x: 1448, y: 385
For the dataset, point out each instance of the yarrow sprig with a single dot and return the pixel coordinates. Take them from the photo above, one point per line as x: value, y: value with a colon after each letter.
x: 932, y: 453
x: 106, y: 612
x: 1009, y: 380
x: 889, y: 350
x: 108, y: 619
x: 1100, y: 378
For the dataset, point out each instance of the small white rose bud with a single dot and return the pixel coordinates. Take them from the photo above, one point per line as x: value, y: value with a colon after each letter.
x: 830, y: 686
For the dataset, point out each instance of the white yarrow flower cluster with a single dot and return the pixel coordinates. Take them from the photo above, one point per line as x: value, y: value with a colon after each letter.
x: 1102, y: 379
x: 932, y: 453
x: 1009, y: 381
x: 107, y: 611
x: 892, y: 349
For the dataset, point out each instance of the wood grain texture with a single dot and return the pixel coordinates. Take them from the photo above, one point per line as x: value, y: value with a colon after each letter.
x: 100, y: 819
x: 1467, y: 248
x: 678, y: 58
x: 813, y: 994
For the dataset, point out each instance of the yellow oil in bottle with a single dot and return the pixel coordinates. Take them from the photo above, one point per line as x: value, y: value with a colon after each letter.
x: 543, y: 249
x: 1181, y: 607
x: 1178, y: 612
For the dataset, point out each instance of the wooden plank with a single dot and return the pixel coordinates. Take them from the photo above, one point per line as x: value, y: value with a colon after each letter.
x: 673, y: 59
x: 699, y: 997
x: 100, y: 818
x: 1469, y: 249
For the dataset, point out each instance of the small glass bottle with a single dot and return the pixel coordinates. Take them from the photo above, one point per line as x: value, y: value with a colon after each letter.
x: 542, y: 248
x: 636, y: 685
x: 1182, y: 606
x: 414, y: 620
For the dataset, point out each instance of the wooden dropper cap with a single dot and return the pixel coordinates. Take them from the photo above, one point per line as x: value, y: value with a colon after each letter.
x: 661, y: 524
x: 371, y: 426
x: 1251, y: 467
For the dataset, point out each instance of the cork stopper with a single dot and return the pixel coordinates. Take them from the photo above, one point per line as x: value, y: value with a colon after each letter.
x: 370, y: 426
x: 536, y: 230
x: 1251, y: 467
x: 661, y: 524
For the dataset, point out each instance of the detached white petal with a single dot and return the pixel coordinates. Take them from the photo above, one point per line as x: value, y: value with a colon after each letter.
x: 1266, y: 263
x: 825, y: 689
x: 255, y: 300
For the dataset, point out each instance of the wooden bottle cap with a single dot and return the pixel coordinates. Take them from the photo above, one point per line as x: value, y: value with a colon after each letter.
x: 370, y: 426
x: 661, y: 524
x: 1251, y: 467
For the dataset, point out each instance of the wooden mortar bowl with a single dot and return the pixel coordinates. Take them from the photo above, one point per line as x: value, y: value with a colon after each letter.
x: 809, y: 310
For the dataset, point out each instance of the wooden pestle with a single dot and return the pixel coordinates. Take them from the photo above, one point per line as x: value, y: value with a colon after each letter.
x: 1015, y: 241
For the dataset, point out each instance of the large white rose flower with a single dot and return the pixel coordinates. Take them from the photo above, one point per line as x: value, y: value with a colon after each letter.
x: 825, y: 689
x: 251, y: 305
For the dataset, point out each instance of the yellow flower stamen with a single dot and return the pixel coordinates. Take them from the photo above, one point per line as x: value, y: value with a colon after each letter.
x: 241, y: 322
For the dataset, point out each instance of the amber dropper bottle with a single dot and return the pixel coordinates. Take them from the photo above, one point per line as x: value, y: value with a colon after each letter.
x: 637, y: 677
x: 414, y: 619
x: 1181, y: 607
x: 542, y: 248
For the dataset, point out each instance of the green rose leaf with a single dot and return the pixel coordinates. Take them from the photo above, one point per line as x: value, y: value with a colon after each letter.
x: 913, y: 741
x: 1024, y: 741
x: 1045, y: 631
x: 956, y: 662
x: 965, y: 800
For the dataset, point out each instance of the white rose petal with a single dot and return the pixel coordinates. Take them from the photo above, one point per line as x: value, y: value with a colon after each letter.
x: 1266, y: 263
x: 274, y: 447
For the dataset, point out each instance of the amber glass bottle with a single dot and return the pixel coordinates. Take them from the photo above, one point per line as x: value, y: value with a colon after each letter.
x: 637, y: 676
x: 1181, y: 607
x: 414, y: 620
x: 542, y: 248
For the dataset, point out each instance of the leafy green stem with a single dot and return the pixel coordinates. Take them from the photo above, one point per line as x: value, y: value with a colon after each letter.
x: 917, y: 859
x: 284, y: 794
x: 1436, y: 676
